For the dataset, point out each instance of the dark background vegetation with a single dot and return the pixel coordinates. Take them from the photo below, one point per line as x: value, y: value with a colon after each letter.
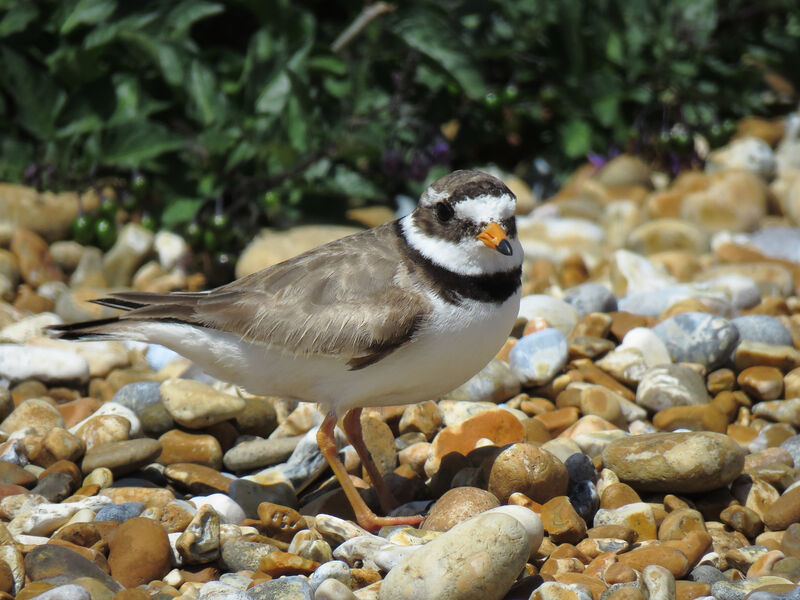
x: 210, y: 114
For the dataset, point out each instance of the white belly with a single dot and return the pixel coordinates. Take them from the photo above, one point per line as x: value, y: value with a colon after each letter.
x: 455, y: 345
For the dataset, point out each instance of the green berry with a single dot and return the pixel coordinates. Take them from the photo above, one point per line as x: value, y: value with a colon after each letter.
x: 220, y: 222
x: 139, y: 185
x: 109, y: 208
x: 149, y: 222
x: 510, y: 93
x: 194, y: 234
x: 210, y: 242
x: 83, y: 230
x: 106, y: 233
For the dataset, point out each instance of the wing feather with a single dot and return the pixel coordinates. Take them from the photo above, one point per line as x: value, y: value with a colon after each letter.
x: 342, y: 299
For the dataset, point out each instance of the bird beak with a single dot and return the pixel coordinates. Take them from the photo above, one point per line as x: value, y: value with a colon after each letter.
x: 495, y: 238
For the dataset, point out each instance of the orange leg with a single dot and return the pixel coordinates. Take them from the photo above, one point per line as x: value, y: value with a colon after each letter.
x: 355, y: 435
x: 364, y: 516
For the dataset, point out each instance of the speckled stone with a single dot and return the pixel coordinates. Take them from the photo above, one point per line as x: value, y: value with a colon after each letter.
x: 457, y: 505
x: 667, y: 386
x: 438, y: 570
x: 527, y: 469
x: 675, y: 462
x: 698, y: 338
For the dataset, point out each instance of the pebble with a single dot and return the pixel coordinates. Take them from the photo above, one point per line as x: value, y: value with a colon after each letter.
x: 675, y: 462
x: 49, y: 365
x: 121, y: 457
x: 496, y: 382
x: 137, y: 395
x: 477, y: 559
x: 195, y: 405
x: 558, y: 314
x: 762, y: 328
x: 139, y: 552
x: 591, y: 297
x: 668, y: 386
x: 698, y: 338
x: 526, y: 469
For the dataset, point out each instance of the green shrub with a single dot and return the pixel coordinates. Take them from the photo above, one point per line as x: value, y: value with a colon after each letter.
x: 245, y: 102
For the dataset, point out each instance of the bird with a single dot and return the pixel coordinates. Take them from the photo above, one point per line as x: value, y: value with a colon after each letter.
x: 398, y: 314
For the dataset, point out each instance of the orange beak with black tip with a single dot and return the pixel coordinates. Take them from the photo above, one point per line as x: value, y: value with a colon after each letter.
x: 495, y: 238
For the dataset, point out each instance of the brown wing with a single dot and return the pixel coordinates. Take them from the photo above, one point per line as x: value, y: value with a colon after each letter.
x: 341, y: 299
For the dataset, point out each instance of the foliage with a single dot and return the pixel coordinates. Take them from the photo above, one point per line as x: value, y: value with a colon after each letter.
x: 245, y: 103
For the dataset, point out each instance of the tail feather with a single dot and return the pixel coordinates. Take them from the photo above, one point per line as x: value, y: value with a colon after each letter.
x: 87, y: 330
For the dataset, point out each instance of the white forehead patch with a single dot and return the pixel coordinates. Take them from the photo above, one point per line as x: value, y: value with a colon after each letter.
x: 430, y: 197
x: 485, y: 209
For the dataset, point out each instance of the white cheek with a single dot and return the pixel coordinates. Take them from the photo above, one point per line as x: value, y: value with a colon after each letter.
x: 485, y: 209
x: 467, y: 257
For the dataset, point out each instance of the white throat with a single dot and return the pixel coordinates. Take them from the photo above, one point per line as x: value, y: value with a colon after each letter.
x: 465, y: 257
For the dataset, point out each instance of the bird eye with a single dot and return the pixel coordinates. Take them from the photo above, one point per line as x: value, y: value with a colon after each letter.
x: 444, y: 212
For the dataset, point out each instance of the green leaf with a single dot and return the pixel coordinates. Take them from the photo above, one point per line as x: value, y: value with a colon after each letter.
x: 181, y: 18
x: 163, y: 54
x: 433, y: 37
x: 38, y: 100
x: 100, y: 36
x: 354, y: 185
x: 88, y: 12
x: 132, y: 144
x: 329, y: 63
x: 577, y: 136
x: 273, y: 97
x: 297, y: 125
x: 614, y: 48
x: 179, y: 211
x: 18, y: 18
x: 205, y: 93
x: 606, y: 109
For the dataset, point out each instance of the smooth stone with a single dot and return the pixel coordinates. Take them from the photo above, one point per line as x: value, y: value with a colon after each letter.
x: 137, y: 395
x: 182, y: 447
x: 57, y: 564
x: 527, y: 469
x: 653, y: 350
x: 120, y: 512
x: 675, y: 462
x: 784, y: 511
x: 195, y: 405
x: 584, y: 498
x: 792, y: 446
x: 333, y: 589
x: 374, y: 552
x: 557, y: 313
x: 335, y: 569
x: 132, y: 245
x: 28, y: 328
x: 258, y: 453
x: 226, y: 508
x: 293, y: 587
x: 48, y: 365
x: 698, y: 338
x: 259, y: 417
x: 496, y: 382
x: 250, y: 494
x: 33, y: 415
x: 738, y: 590
x: 477, y: 559
x: 139, y: 552
x: 753, y: 354
x: 762, y: 328
x: 783, y: 411
x: 239, y: 554
x: 102, y: 429
x: 635, y: 515
x: 458, y: 505
x: 591, y: 297
x: 216, y: 590
x: 667, y: 386
x: 122, y: 457
x: 170, y: 248
x: 554, y: 590
x: 68, y: 591
x: 44, y: 518
x: 305, y: 461
x: 536, y: 358
x: 155, y: 419
x: 626, y: 364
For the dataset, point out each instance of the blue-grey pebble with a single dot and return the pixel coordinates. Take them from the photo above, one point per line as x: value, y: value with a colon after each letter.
x: 216, y: 590
x: 762, y: 328
x: 538, y: 357
x: 653, y: 303
x: 249, y: 494
x: 69, y: 591
x: 778, y: 242
x: 138, y: 395
x: 699, y: 338
x: 764, y: 595
x: 120, y: 512
x: 736, y: 590
x: 333, y: 569
x: 705, y: 574
x: 283, y: 588
x: 580, y: 468
x: 792, y: 446
x: 584, y: 499
x: 591, y: 297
